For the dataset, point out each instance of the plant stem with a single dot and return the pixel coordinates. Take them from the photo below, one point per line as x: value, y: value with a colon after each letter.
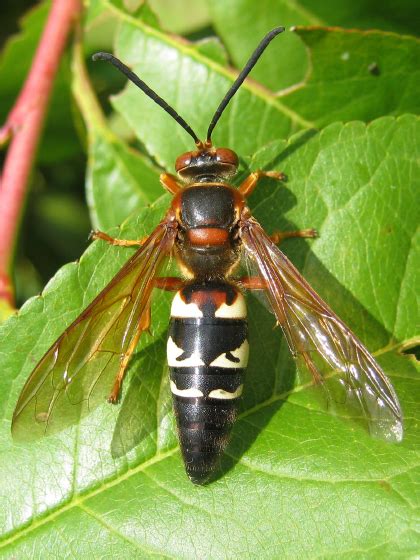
x: 24, y: 126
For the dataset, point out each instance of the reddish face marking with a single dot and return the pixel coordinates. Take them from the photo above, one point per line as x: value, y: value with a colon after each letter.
x: 207, y: 236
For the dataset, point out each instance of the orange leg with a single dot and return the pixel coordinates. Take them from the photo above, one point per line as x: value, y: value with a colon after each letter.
x: 125, y: 358
x: 113, y: 241
x: 249, y: 184
x: 170, y: 283
x: 279, y: 236
x: 170, y: 183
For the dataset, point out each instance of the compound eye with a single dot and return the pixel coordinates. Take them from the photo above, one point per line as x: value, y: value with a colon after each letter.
x: 226, y: 156
x: 183, y: 161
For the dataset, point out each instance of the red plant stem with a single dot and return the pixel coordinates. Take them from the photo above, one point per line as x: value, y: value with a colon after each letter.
x: 24, y: 126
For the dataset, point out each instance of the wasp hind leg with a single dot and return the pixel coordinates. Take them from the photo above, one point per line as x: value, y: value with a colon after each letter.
x: 125, y: 358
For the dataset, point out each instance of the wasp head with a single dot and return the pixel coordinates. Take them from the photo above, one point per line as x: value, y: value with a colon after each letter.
x: 207, y: 164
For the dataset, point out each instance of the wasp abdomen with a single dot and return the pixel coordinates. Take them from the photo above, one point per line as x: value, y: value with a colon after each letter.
x: 207, y: 356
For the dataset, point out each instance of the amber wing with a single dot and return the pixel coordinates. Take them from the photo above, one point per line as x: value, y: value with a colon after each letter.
x: 77, y: 372
x: 340, y: 363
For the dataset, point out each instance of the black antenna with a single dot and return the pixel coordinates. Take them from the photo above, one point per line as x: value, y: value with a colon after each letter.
x: 237, y: 83
x: 144, y: 87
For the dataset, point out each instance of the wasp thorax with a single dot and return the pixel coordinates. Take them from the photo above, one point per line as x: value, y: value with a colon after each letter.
x: 207, y: 164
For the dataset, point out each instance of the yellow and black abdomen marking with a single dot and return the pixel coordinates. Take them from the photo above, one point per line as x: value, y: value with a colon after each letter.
x: 207, y: 356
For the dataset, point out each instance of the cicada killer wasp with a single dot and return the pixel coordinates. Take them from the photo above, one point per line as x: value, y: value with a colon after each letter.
x: 208, y: 227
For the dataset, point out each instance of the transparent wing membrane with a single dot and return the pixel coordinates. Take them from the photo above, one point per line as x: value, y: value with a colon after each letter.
x: 77, y: 372
x: 353, y: 382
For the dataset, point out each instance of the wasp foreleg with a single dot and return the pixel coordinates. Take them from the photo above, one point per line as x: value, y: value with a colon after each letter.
x: 249, y: 184
x: 169, y: 182
x: 113, y: 241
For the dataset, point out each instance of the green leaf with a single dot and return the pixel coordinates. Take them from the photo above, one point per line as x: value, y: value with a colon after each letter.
x: 356, y: 75
x: 297, y: 482
x: 213, y: 48
x: 241, y: 22
x: 59, y: 140
x: 183, y: 16
x: 120, y: 181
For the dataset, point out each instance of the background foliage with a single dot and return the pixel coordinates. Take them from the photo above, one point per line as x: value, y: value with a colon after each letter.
x: 336, y: 110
